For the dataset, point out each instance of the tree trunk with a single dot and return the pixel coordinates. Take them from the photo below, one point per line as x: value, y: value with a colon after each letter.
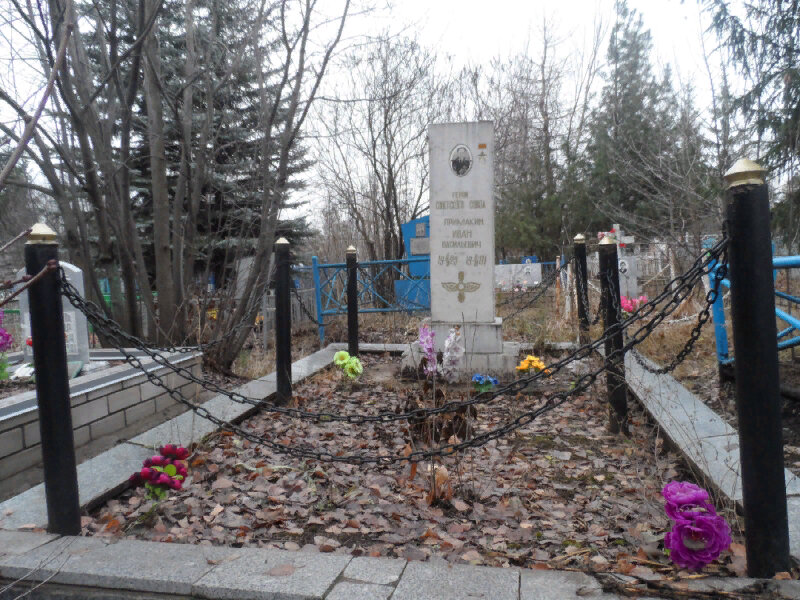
x: 168, y: 328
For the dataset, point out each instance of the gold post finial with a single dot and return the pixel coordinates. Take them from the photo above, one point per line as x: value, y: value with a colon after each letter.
x: 744, y: 172
x: 41, y: 234
x: 282, y: 241
x: 580, y: 239
x: 606, y: 241
x: 350, y: 250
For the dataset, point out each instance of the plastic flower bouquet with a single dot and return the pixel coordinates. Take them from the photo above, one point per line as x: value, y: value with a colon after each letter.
x: 699, y: 535
x: 532, y: 363
x: 351, y: 365
x: 630, y: 305
x: 483, y: 383
x: 452, y: 355
x: 163, y: 472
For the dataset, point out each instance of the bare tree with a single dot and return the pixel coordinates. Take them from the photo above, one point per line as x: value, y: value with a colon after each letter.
x: 373, y: 149
x: 119, y: 167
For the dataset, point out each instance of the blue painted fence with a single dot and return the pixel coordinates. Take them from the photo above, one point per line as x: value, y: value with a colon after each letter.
x: 410, y: 293
x: 788, y: 337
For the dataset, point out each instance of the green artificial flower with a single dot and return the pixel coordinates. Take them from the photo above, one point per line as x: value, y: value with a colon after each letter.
x: 353, y: 367
x: 341, y: 358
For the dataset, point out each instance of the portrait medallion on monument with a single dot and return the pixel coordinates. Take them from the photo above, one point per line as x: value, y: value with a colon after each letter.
x: 460, y: 160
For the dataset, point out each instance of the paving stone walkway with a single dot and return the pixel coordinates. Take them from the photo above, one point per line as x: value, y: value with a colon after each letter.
x: 79, y: 567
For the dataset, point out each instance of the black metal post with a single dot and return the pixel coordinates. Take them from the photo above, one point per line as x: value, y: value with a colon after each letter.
x: 615, y: 361
x: 52, y: 386
x: 283, y: 322
x: 582, y: 287
x: 758, y: 401
x: 352, y: 301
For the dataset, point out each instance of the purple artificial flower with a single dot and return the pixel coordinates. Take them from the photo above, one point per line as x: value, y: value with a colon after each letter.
x: 697, y: 541
x: 685, y: 499
x: 5, y: 340
x: 426, y: 336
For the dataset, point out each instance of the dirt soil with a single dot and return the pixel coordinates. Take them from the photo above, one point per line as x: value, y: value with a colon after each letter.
x: 17, y: 386
x: 557, y: 493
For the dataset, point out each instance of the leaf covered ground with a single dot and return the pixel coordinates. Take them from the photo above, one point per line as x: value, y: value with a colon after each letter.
x: 558, y: 493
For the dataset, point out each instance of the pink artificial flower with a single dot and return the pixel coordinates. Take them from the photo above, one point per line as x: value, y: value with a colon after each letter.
x: 147, y: 473
x: 181, y: 453
x: 168, y: 450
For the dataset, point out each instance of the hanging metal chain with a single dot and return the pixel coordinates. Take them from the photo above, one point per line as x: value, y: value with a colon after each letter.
x: 702, y: 318
x: 685, y: 283
x: 303, y: 307
x: 585, y: 294
x: 688, y: 281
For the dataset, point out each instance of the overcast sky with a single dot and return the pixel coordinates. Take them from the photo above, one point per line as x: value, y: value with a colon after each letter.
x: 475, y: 32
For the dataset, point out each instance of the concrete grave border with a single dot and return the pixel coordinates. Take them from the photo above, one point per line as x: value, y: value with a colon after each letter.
x: 708, y: 443
x: 103, y: 402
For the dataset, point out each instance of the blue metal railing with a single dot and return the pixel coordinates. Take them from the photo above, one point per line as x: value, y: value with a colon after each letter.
x: 407, y: 294
x: 787, y: 337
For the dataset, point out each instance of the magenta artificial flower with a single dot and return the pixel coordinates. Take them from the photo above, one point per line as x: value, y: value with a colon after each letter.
x: 694, y: 543
x: 680, y: 493
x: 5, y: 340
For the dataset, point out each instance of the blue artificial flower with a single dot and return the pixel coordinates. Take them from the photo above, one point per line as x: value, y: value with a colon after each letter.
x: 492, y: 380
x: 479, y: 379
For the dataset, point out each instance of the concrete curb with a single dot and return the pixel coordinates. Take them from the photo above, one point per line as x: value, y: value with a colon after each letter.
x: 75, y: 567
x: 709, y: 444
x: 106, y: 474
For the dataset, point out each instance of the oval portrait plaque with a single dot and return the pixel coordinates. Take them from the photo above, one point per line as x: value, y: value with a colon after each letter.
x: 460, y: 160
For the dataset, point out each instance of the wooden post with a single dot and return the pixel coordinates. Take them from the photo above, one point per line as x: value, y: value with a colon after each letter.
x: 352, y: 301
x: 615, y: 360
x: 582, y: 286
x: 52, y: 386
x: 758, y: 400
x: 283, y: 323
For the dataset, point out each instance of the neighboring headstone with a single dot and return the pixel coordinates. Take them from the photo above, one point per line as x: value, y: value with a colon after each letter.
x: 509, y: 277
x: 75, y: 327
x: 628, y: 274
x: 462, y: 243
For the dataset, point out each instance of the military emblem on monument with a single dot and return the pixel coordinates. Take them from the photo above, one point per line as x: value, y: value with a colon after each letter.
x: 461, y: 287
x: 460, y: 160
